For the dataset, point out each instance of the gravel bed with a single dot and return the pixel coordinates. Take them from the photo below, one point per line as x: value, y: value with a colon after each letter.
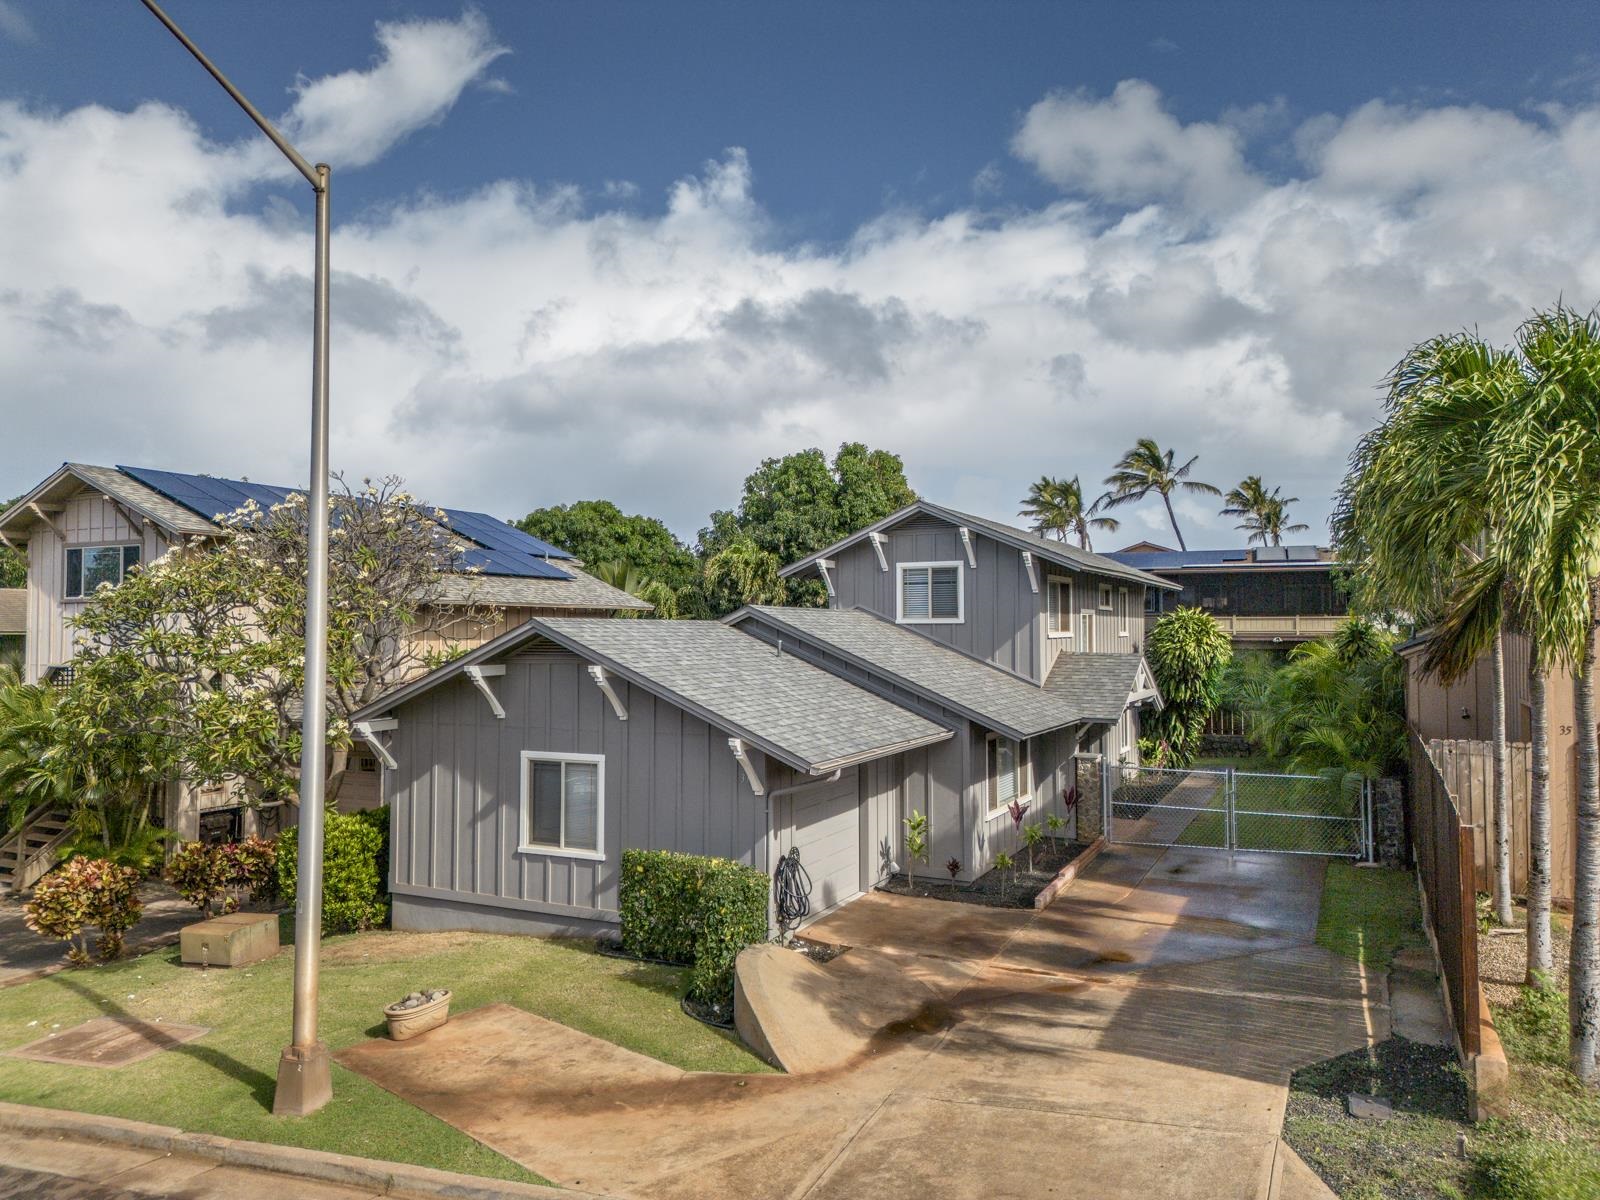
x: 996, y: 889
x: 1503, y: 958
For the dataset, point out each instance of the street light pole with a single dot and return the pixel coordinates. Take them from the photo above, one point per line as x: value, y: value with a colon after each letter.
x: 305, y: 1081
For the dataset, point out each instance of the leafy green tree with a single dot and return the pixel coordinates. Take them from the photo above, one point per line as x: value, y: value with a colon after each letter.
x: 1147, y: 468
x: 1189, y: 654
x: 1265, y: 515
x: 1055, y: 507
x: 796, y: 505
x: 742, y: 573
x: 597, y: 532
x: 13, y: 565
x: 626, y: 577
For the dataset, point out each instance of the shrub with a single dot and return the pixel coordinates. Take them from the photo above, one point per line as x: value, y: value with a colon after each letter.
x: 378, y: 819
x: 1189, y: 653
x: 86, y: 892
x: 690, y: 909
x: 352, y: 893
x: 202, y: 874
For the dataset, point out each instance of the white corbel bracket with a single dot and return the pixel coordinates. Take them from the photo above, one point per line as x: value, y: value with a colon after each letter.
x: 43, y: 516
x: 756, y: 786
x: 598, y: 674
x: 1033, y: 571
x: 480, y: 677
x: 827, y: 580
x: 966, y: 544
x: 368, y: 732
x: 877, y: 548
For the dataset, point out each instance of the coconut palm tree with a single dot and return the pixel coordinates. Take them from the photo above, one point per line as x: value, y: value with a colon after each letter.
x: 1147, y: 468
x: 743, y: 573
x: 1265, y: 514
x: 626, y: 577
x: 1056, y: 508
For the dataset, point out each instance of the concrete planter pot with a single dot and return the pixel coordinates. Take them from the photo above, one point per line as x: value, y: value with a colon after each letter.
x: 408, y: 1022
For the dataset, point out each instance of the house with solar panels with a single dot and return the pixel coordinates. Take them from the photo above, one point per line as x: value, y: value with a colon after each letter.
x: 1263, y: 596
x: 89, y: 525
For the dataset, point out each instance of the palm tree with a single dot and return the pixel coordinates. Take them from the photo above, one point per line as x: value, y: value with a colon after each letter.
x: 1056, y: 507
x: 1147, y: 468
x: 1266, y: 514
x: 743, y: 573
x: 626, y: 577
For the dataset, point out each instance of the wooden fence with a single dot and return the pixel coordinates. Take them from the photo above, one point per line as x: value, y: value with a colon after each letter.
x: 1443, y: 846
x: 1467, y: 768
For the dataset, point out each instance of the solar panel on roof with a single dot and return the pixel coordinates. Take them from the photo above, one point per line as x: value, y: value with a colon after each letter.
x: 498, y: 535
x: 1236, y: 556
x: 1272, y: 554
x: 1303, y: 554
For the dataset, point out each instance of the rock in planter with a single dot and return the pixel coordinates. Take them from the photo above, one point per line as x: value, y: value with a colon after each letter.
x: 418, y: 1013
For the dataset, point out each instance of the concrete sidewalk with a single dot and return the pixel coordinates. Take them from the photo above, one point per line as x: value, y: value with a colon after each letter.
x: 1133, y: 1040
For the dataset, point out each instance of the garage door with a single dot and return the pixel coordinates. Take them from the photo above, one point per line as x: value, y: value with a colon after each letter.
x: 824, y: 823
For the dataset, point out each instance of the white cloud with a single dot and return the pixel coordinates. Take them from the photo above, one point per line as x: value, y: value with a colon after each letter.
x: 1129, y: 149
x: 527, y: 344
x: 14, y: 24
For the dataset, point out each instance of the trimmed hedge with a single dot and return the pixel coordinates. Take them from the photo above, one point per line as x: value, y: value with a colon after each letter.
x: 694, y: 910
x: 353, y: 891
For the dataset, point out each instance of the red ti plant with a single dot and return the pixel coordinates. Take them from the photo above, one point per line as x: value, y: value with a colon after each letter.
x: 1018, y: 809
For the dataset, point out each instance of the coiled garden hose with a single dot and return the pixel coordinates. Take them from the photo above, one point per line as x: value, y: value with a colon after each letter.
x: 792, y: 889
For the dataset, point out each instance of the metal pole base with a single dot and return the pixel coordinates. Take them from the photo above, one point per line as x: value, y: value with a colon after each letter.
x: 305, y: 1081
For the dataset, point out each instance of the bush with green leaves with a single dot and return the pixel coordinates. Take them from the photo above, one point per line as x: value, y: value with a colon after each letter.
x: 204, y: 874
x: 353, y: 895
x: 695, y: 910
x: 81, y: 894
x: 1189, y: 653
x: 1528, y: 1168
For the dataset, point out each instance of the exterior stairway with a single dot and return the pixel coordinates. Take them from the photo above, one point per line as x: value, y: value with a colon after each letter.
x: 29, y: 850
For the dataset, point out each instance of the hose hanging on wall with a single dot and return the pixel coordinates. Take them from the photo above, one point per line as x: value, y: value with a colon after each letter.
x: 792, y: 890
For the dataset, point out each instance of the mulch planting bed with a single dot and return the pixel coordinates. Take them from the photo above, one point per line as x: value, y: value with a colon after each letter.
x: 1413, y: 1154
x: 996, y: 889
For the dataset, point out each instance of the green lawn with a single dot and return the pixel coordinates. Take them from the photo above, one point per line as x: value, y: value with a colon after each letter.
x: 1369, y: 914
x: 223, y: 1083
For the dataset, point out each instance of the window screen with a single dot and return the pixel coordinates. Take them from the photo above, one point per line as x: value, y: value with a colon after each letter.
x: 930, y: 593
x: 563, y: 805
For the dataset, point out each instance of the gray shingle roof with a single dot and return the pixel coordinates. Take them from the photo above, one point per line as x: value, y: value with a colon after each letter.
x: 990, y: 696
x: 145, y: 499
x: 1046, y: 548
x: 581, y: 591
x: 1099, y: 684
x: 13, y: 610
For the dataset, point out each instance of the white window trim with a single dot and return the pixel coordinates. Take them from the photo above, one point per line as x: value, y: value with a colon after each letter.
x: 84, y: 597
x: 1104, y: 598
x: 1024, y: 774
x: 524, y: 846
x: 1069, y: 610
x: 1126, y: 731
x: 1123, y: 606
x: 900, y: 594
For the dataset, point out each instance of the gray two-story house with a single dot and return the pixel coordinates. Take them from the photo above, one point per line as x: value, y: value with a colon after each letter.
x: 961, y: 665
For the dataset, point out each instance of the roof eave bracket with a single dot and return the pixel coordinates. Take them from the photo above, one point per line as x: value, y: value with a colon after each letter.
x: 1033, y: 571
x: 827, y: 580
x: 480, y: 679
x: 741, y: 754
x: 598, y: 674
x: 368, y: 732
x: 966, y: 544
x: 877, y: 548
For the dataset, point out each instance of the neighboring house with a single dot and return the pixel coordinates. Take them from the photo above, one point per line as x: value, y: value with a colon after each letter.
x: 964, y: 665
x: 1262, y: 596
x: 88, y: 525
x: 13, y: 625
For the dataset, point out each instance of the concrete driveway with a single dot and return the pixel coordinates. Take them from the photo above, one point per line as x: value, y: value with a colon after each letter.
x: 1132, y: 1040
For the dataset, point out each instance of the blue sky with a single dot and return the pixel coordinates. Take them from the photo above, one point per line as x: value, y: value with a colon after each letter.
x: 1002, y: 239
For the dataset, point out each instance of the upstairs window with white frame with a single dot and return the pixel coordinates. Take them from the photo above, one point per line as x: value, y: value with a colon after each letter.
x: 563, y: 804
x: 1105, y: 596
x: 1008, y: 773
x: 1058, y: 606
x: 930, y: 593
x: 90, y: 566
x: 1122, y: 612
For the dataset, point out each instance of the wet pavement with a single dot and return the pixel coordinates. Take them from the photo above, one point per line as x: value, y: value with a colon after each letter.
x: 1133, y: 1040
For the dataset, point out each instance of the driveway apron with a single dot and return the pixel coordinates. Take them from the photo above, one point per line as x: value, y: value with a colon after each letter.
x: 1132, y: 1040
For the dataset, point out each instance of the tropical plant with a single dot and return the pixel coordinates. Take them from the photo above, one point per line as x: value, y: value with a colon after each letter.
x: 1055, y: 825
x: 1188, y: 652
x: 31, y: 772
x: 1056, y: 509
x: 1032, y: 836
x: 203, y: 874
x: 1265, y: 514
x: 743, y: 573
x: 1004, y: 863
x: 1146, y: 468
x: 953, y: 866
x: 1333, y: 705
x: 626, y: 577
x: 81, y: 894
x: 916, y: 842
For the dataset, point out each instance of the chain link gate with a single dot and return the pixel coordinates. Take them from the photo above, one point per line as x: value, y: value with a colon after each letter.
x: 1225, y: 809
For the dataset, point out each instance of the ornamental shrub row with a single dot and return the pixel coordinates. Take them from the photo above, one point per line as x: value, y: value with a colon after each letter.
x: 353, y: 891
x: 204, y: 874
x: 695, y: 910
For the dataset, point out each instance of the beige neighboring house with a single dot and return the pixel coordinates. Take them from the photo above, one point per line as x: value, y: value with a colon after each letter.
x: 88, y: 525
x: 13, y: 624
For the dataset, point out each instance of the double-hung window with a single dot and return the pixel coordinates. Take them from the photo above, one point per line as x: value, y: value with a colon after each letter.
x: 1122, y: 611
x: 563, y: 804
x: 1058, y: 606
x: 930, y: 593
x: 1105, y: 596
x: 1008, y: 768
x: 90, y: 566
